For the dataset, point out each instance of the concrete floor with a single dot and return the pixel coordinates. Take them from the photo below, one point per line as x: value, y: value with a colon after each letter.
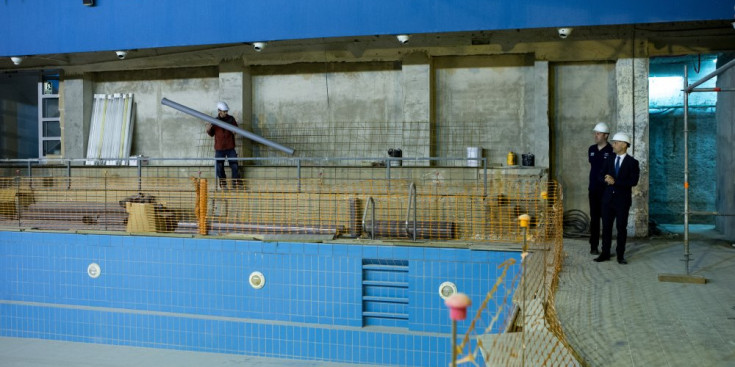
x: 621, y: 315
x: 613, y: 315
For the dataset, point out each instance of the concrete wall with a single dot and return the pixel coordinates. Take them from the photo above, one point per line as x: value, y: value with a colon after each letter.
x: 359, y: 110
x: 488, y: 102
x: 583, y: 94
x: 353, y: 110
x: 725, y: 154
x: 329, y: 110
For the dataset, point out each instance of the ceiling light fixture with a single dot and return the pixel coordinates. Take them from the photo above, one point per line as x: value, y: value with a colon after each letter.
x: 259, y: 46
x: 565, y: 32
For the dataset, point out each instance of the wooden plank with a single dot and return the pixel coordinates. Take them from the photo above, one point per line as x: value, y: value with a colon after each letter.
x: 681, y: 278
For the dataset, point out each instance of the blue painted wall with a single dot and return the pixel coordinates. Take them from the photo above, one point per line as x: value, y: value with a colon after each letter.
x: 193, y: 294
x: 53, y: 26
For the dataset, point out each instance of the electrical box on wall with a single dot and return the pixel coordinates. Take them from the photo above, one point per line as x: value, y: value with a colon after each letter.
x: 88, y: 2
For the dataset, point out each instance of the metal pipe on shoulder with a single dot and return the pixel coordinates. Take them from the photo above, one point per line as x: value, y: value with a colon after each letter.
x: 226, y: 126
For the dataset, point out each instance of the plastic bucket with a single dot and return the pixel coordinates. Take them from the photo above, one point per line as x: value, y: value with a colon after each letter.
x: 473, y: 153
x: 395, y: 153
x: 528, y: 160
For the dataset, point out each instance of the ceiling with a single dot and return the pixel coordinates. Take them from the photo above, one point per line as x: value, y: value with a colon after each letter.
x: 663, y: 39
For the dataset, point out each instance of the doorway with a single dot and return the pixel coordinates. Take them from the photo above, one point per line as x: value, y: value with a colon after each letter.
x: 666, y: 140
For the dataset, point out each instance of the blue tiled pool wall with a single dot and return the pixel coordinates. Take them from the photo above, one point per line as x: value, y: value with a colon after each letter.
x: 193, y: 294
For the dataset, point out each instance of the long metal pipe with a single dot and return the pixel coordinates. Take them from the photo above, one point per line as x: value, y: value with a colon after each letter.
x: 717, y: 214
x: 262, y: 228
x: 687, y: 90
x: 708, y: 76
x: 226, y: 126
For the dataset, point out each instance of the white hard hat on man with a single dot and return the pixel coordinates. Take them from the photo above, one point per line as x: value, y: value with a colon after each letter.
x: 601, y: 127
x: 222, y: 106
x: 621, y: 137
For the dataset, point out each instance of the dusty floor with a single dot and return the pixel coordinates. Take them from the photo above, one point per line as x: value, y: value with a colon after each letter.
x: 622, y: 315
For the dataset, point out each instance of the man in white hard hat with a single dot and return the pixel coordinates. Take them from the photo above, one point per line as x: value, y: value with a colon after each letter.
x: 224, y: 145
x: 620, y: 174
x: 597, y: 154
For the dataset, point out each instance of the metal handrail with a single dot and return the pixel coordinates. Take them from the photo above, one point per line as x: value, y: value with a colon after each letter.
x: 411, y: 200
x: 297, y: 163
x: 370, y: 204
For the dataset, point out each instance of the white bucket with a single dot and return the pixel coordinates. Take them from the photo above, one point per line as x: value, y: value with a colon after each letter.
x: 133, y: 161
x: 472, y: 154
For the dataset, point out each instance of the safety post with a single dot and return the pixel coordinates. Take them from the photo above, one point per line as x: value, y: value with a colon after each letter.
x: 524, y: 221
x: 202, y: 215
x: 457, y: 304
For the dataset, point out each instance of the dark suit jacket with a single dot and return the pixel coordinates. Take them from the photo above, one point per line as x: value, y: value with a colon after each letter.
x: 627, y: 177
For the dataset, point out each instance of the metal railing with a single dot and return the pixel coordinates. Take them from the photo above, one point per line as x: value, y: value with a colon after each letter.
x: 294, y: 168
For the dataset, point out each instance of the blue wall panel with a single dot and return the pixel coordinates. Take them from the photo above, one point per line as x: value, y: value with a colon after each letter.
x: 52, y: 26
x: 193, y: 294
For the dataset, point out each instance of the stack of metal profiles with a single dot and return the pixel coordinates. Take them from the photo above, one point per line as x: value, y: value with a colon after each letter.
x: 111, y: 129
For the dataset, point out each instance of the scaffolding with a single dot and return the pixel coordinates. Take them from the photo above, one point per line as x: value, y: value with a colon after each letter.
x: 692, y: 88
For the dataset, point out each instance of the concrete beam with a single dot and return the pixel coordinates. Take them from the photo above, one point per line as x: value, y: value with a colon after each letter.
x: 235, y: 88
x: 77, y: 98
x: 539, y: 126
x: 725, y: 199
x: 418, y: 107
x: 632, y: 116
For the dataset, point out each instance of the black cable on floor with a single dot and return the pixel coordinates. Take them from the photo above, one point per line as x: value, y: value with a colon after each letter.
x: 576, y: 223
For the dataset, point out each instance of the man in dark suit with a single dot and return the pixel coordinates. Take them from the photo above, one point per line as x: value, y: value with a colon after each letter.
x: 620, y: 173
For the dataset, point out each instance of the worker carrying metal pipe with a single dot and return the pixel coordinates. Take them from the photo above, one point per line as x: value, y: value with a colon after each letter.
x: 234, y: 129
x: 224, y: 145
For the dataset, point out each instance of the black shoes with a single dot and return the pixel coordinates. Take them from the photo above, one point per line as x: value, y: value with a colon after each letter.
x: 594, y: 252
x: 601, y: 258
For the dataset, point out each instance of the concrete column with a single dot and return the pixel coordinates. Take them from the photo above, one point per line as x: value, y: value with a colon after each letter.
x: 538, y: 128
x: 725, y: 115
x: 235, y: 88
x: 77, y: 98
x: 632, y: 116
x: 418, y: 108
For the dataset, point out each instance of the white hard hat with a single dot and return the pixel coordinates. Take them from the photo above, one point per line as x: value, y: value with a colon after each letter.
x: 601, y: 127
x: 222, y: 106
x: 621, y: 137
